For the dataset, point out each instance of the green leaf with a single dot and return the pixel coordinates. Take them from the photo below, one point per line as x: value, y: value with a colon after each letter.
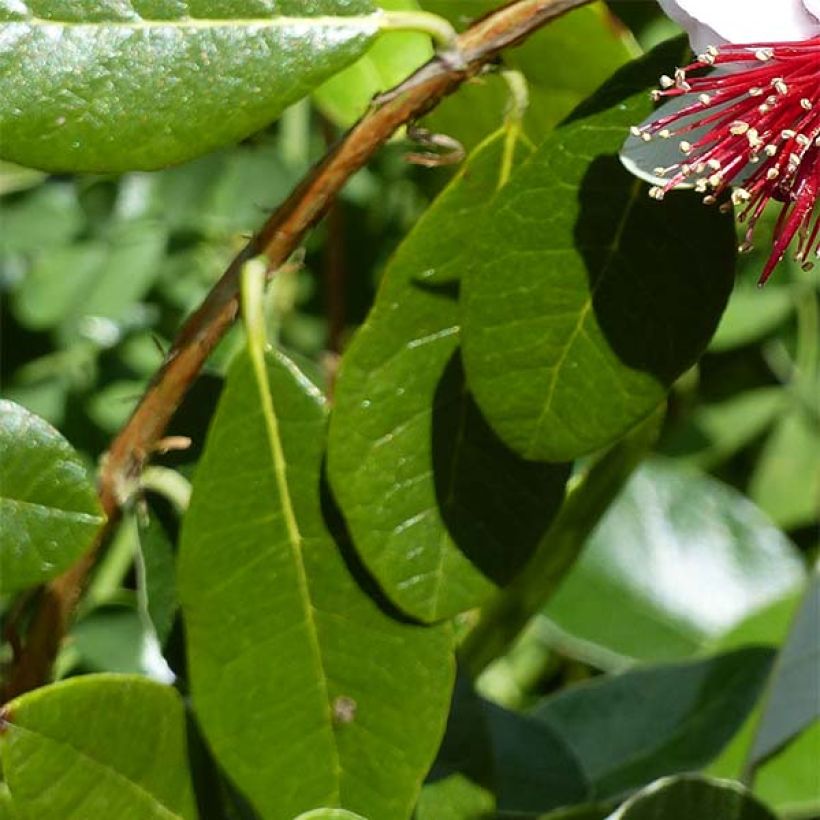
x: 563, y: 64
x: 118, y: 639
x: 132, y: 85
x: 657, y: 720
x: 15, y: 178
x: 157, y: 575
x: 535, y: 769
x: 454, y: 797
x: 48, y: 504
x: 440, y: 511
x: 751, y: 314
x: 527, y: 765
x: 300, y: 674
x: 689, y: 796
x: 786, y: 479
x: 25, y: 219
x: 583, y: 299
x: 6, y: 806
x: 719, y: 430
x: 93, y: 285
x: 679, y: 560
x: 504, y: 618
x: 788, y: 781
x: 97, y: 746
x: 345, y: 96
x: 329, y: 814
x: 792, y: 702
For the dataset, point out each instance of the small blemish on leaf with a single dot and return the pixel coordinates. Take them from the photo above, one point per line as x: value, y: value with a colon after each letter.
x: 344, y: 710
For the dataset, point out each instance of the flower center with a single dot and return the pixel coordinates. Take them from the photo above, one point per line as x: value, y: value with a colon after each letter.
x: 753, y: 123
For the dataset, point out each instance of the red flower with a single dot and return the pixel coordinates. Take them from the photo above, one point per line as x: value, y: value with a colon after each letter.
x: 750, y: 120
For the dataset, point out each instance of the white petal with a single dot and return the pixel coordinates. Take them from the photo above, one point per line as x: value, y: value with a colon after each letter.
x: 813, y: 6
x: 712, y: 22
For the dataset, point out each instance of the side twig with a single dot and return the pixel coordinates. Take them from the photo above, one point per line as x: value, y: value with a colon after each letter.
x: 276, y: 241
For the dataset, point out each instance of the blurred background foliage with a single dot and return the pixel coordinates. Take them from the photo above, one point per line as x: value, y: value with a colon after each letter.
x: 707, y: 549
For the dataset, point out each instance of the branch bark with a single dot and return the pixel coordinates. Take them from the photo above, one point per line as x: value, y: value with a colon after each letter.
x: 276, y: 241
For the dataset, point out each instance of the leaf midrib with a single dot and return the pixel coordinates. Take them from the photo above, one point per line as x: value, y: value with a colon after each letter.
x: 280, y: 21
x: 606, y: 267
x: 102, y: 767
x: 295, y: 539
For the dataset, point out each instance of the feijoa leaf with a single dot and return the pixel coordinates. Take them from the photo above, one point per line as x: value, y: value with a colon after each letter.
x: 311, y: 691
x: 106, y: 87
x: 583, y: 299
x: 97, y: 746
x: 440, y: 510
x: 48, y: 505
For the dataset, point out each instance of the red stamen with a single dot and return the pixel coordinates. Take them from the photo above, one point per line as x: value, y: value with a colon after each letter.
x: 754, y: 125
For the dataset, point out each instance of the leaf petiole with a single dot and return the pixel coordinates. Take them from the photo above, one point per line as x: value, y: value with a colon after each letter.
x: 439, y: 29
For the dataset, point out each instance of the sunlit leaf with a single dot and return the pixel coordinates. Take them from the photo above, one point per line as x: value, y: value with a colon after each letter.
x: 119, y: 86
x: 48, y: 504
x: 439, y: 509
x: 574, y: 325
x: 97, y: 746
x: 299, y: 675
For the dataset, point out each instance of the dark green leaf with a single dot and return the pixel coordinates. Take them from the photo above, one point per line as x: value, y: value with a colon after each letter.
x: 793, y: 699
x: 503, y: 619
x: 441, y: 512
x: 689, y: 797
x: 48, y: 504
x: 788, y: 782
x: 583, y: 298
x: 113, y: 87
x: 632, y: 728
x: 526, y: 765
x: 299, y: 675
x: 535, y: 769
x: 98, y: 746
x: 679, y: 559
x: 158, y: 577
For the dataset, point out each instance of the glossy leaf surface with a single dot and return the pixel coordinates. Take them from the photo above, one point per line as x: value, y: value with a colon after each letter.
x: 48, y: 504
x: 143, y: 84
x: 575, y: 325
x: 97, y: 746
x: 299, y: 675
x: 439, y: 509
x: 679, y: 560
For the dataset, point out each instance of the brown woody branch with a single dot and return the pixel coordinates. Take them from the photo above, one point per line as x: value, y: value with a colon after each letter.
x: 276, y: 241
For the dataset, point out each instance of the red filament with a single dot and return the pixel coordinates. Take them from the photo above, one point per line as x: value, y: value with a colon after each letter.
x: 753, y: 125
